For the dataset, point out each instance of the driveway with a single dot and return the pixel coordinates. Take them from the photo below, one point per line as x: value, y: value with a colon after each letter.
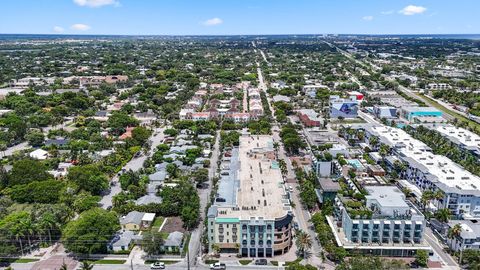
x: 134, y: 164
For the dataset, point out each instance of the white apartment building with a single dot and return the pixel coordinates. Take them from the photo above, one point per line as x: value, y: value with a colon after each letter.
x: 432, y: 172
x: 395, y: 228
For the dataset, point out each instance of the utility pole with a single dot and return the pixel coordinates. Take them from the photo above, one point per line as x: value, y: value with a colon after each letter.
x: 188, y: 251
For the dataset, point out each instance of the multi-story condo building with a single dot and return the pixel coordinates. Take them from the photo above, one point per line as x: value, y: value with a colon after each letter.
x: 392, y: 227
x: 460, y: 136
x: 428, y: 171
x: 251, y: 215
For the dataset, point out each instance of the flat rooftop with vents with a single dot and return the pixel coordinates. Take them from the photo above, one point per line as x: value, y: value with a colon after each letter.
x: 449, y: 175
x: 261, y: 192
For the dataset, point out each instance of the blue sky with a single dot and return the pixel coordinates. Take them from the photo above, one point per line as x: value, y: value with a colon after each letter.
x: 218, y: 17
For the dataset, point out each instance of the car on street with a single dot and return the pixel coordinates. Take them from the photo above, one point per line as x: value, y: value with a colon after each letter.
x: 261, y: 262
x: 290, y: 189
x: 218, y: 266
x: 157, y: 265
x: 295, y: 225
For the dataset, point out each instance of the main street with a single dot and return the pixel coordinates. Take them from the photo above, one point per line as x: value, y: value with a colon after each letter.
x: 134, y: 164
x: 301, y: 215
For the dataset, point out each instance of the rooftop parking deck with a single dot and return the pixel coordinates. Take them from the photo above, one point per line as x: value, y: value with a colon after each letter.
x: 261, y: 191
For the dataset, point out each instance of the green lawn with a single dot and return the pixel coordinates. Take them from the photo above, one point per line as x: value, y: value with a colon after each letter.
x: 244, y: 262
x: 460, y: 117
x: 158, y: 222
x: 292, y: 262
x: 210, y: 261
x: 18, y: 260
x: 108, y: 261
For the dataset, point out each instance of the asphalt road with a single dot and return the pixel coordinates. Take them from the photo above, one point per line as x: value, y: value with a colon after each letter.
x: 134, y: 164
x: 195, y: 240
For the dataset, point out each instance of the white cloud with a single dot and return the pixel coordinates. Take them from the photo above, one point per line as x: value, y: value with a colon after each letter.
x: 96, y: 3
x: 367, y: 18
x: 58, y: 29
x: 213, y: 21
x: 80, y: 27
x: 412, y: 10
x: 387, y: 12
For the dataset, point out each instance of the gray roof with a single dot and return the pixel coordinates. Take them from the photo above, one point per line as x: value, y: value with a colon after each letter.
x: 212, y: 211
x: 124, y: 239
x: 132, y: 217
x: 56, y: 142
x: 148, y: 199
x: 470, y: 230
x: 174, y: 239
x: 158, y: 176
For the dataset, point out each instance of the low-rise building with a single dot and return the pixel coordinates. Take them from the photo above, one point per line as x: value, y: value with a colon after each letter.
x: 341, y: 107
x: 309, y: 118
x: 469, y: 237
x: 386, y: 112
x: 135, y: 220
x: 410, y: 113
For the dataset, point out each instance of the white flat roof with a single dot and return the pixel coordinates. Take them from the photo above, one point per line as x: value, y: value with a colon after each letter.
x: 461, y: 135
x: 446, y: 171
x: 148, y: 217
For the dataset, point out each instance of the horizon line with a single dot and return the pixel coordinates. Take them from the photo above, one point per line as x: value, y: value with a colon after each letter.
x: 209, y: 35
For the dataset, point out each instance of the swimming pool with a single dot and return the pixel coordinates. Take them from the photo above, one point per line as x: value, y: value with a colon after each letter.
x: 355, y: 163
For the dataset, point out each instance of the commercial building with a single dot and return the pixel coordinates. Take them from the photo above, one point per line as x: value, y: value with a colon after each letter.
x: 340, y: 107
x: 251, y: 215
x: 394, y: 227
x: 432, y: 172
x: 357, y: 95
x: 385, y: 112
x: 309, y: 118
x: 410, y: 113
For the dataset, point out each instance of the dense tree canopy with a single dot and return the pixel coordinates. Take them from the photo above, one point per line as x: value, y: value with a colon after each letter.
x: 91, y: 232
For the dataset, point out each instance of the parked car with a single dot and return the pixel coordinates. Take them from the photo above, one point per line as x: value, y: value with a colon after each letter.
x: 290, y: 188
x: 218, y: 266
x: 295, y: 225
x: 261, y: 262
x: 157, y: 265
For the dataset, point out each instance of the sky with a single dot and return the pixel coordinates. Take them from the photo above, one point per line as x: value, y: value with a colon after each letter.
x: 239, y: 17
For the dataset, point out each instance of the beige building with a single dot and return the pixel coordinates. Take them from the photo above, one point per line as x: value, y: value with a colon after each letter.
x: 251, y: 215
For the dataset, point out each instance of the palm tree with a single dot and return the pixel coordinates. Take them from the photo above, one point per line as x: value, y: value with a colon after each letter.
x: 455, y: 232
x: 48, y: 223
x: 28, y: 228
x: 407, y: 192
x: 86, y: 266
x: 373, y: 141
x: 426, y: 198
x: 443, y: 215
x: 439, y: 195
x: 303, y: 242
